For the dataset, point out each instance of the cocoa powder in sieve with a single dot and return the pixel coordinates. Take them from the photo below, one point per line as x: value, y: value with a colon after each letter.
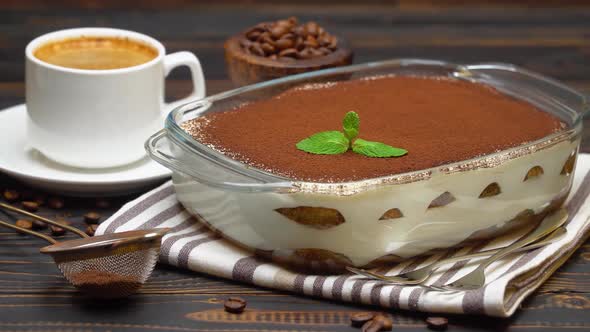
x: 438, y: 120
x: 104, y: 284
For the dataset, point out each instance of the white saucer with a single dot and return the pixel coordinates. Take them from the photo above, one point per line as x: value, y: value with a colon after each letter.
x: 30, y: 166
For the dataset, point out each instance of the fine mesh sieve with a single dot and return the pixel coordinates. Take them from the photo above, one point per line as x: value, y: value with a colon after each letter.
x: 104, y: 266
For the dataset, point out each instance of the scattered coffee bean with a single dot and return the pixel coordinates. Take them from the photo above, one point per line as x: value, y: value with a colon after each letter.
x: 91, y: 229
x: 272, y: 39
x: 57, y: 231
x: 39, y: 225
x: 372, y: 326
x: 235, y: 305
x: 23, y: 223
x: 11, y: 195
x: 102, y: 203
x: 30, y: 206
x: 385, y: 320
x: 437, y: 323
x: 92, y: 218
x: 55, y: 203
x: 360, y: 318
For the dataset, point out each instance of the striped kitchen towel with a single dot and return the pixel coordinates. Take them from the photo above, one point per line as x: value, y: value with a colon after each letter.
x: 193, y: 246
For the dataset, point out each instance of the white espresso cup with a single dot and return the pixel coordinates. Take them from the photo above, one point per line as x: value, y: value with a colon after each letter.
x: 100, y: 118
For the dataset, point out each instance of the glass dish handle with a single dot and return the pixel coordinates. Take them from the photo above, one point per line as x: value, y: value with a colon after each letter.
x: 163, y: 150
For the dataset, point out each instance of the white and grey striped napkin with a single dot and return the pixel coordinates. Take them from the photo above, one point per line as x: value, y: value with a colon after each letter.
x: 193, y: 246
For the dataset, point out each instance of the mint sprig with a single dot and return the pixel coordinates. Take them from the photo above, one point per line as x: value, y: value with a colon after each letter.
x: 336, y: 142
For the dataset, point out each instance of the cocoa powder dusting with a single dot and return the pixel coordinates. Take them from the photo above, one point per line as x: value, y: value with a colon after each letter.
x: 438, y: 120
x: 104, y: 284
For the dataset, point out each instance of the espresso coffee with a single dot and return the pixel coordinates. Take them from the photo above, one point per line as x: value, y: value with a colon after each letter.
x: 95, y: 53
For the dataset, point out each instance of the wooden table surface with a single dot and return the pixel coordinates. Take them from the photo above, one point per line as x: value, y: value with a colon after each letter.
x: 35, y: 297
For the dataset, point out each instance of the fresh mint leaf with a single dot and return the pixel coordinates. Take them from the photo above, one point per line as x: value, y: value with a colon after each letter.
x: 376, y: 149
x: 325, y: 142
x: 350, y: 124
x: 336, y: 142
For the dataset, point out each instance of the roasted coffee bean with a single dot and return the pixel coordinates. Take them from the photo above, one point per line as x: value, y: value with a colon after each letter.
x: 55, y: 203
x: 312, y: 28
x: 253, y: 34
x: 92, y: 218
x: 39, y: 225
x: 273, y: 57
x: 360, y: 318
x: 278, y: 31
x: 91, y: 229
x: 372, y: 326
x: 284, y: 43
x: 30, y: 206
x: 23, y: 223
x: 289, y: 52
x: 310, y: 41
x: 284, y: 23
x: 264, y: 36
x: 11, y: 195
x: 299, y: 43
x: 256, y: 49
x: 57, y: 231
x: 235, y: 305
x: 268, y: 48
x: 267, y: 40
x: 289, y: 35
x: 299, y: 31
x: 245, y: 42
x: 385, y: 320
x: 437, y: 323
x: 102, y: 203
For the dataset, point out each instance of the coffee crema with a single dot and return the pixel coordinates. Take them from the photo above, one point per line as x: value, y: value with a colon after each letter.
x: 95, y: 53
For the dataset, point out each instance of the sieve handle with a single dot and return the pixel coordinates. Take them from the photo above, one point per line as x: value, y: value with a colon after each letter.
x: 45, y: 220
x: 24, y: 230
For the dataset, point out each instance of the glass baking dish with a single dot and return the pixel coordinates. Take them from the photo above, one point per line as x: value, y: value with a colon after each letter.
x: 325, y: 226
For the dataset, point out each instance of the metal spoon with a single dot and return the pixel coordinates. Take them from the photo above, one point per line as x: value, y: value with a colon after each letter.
x: 476, y: 278
x: 420, y: 275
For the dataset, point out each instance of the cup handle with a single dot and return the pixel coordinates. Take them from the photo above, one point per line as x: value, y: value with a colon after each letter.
x: 188, y: 59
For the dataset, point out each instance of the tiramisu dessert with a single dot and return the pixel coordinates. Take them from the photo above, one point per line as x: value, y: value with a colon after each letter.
x: 437, y: 120
x: 382, y: 168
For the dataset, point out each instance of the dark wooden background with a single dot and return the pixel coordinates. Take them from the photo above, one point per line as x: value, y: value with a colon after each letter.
x: 551, y: 37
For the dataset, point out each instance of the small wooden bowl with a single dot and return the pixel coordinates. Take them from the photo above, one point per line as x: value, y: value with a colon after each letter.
x: 245, y: 69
